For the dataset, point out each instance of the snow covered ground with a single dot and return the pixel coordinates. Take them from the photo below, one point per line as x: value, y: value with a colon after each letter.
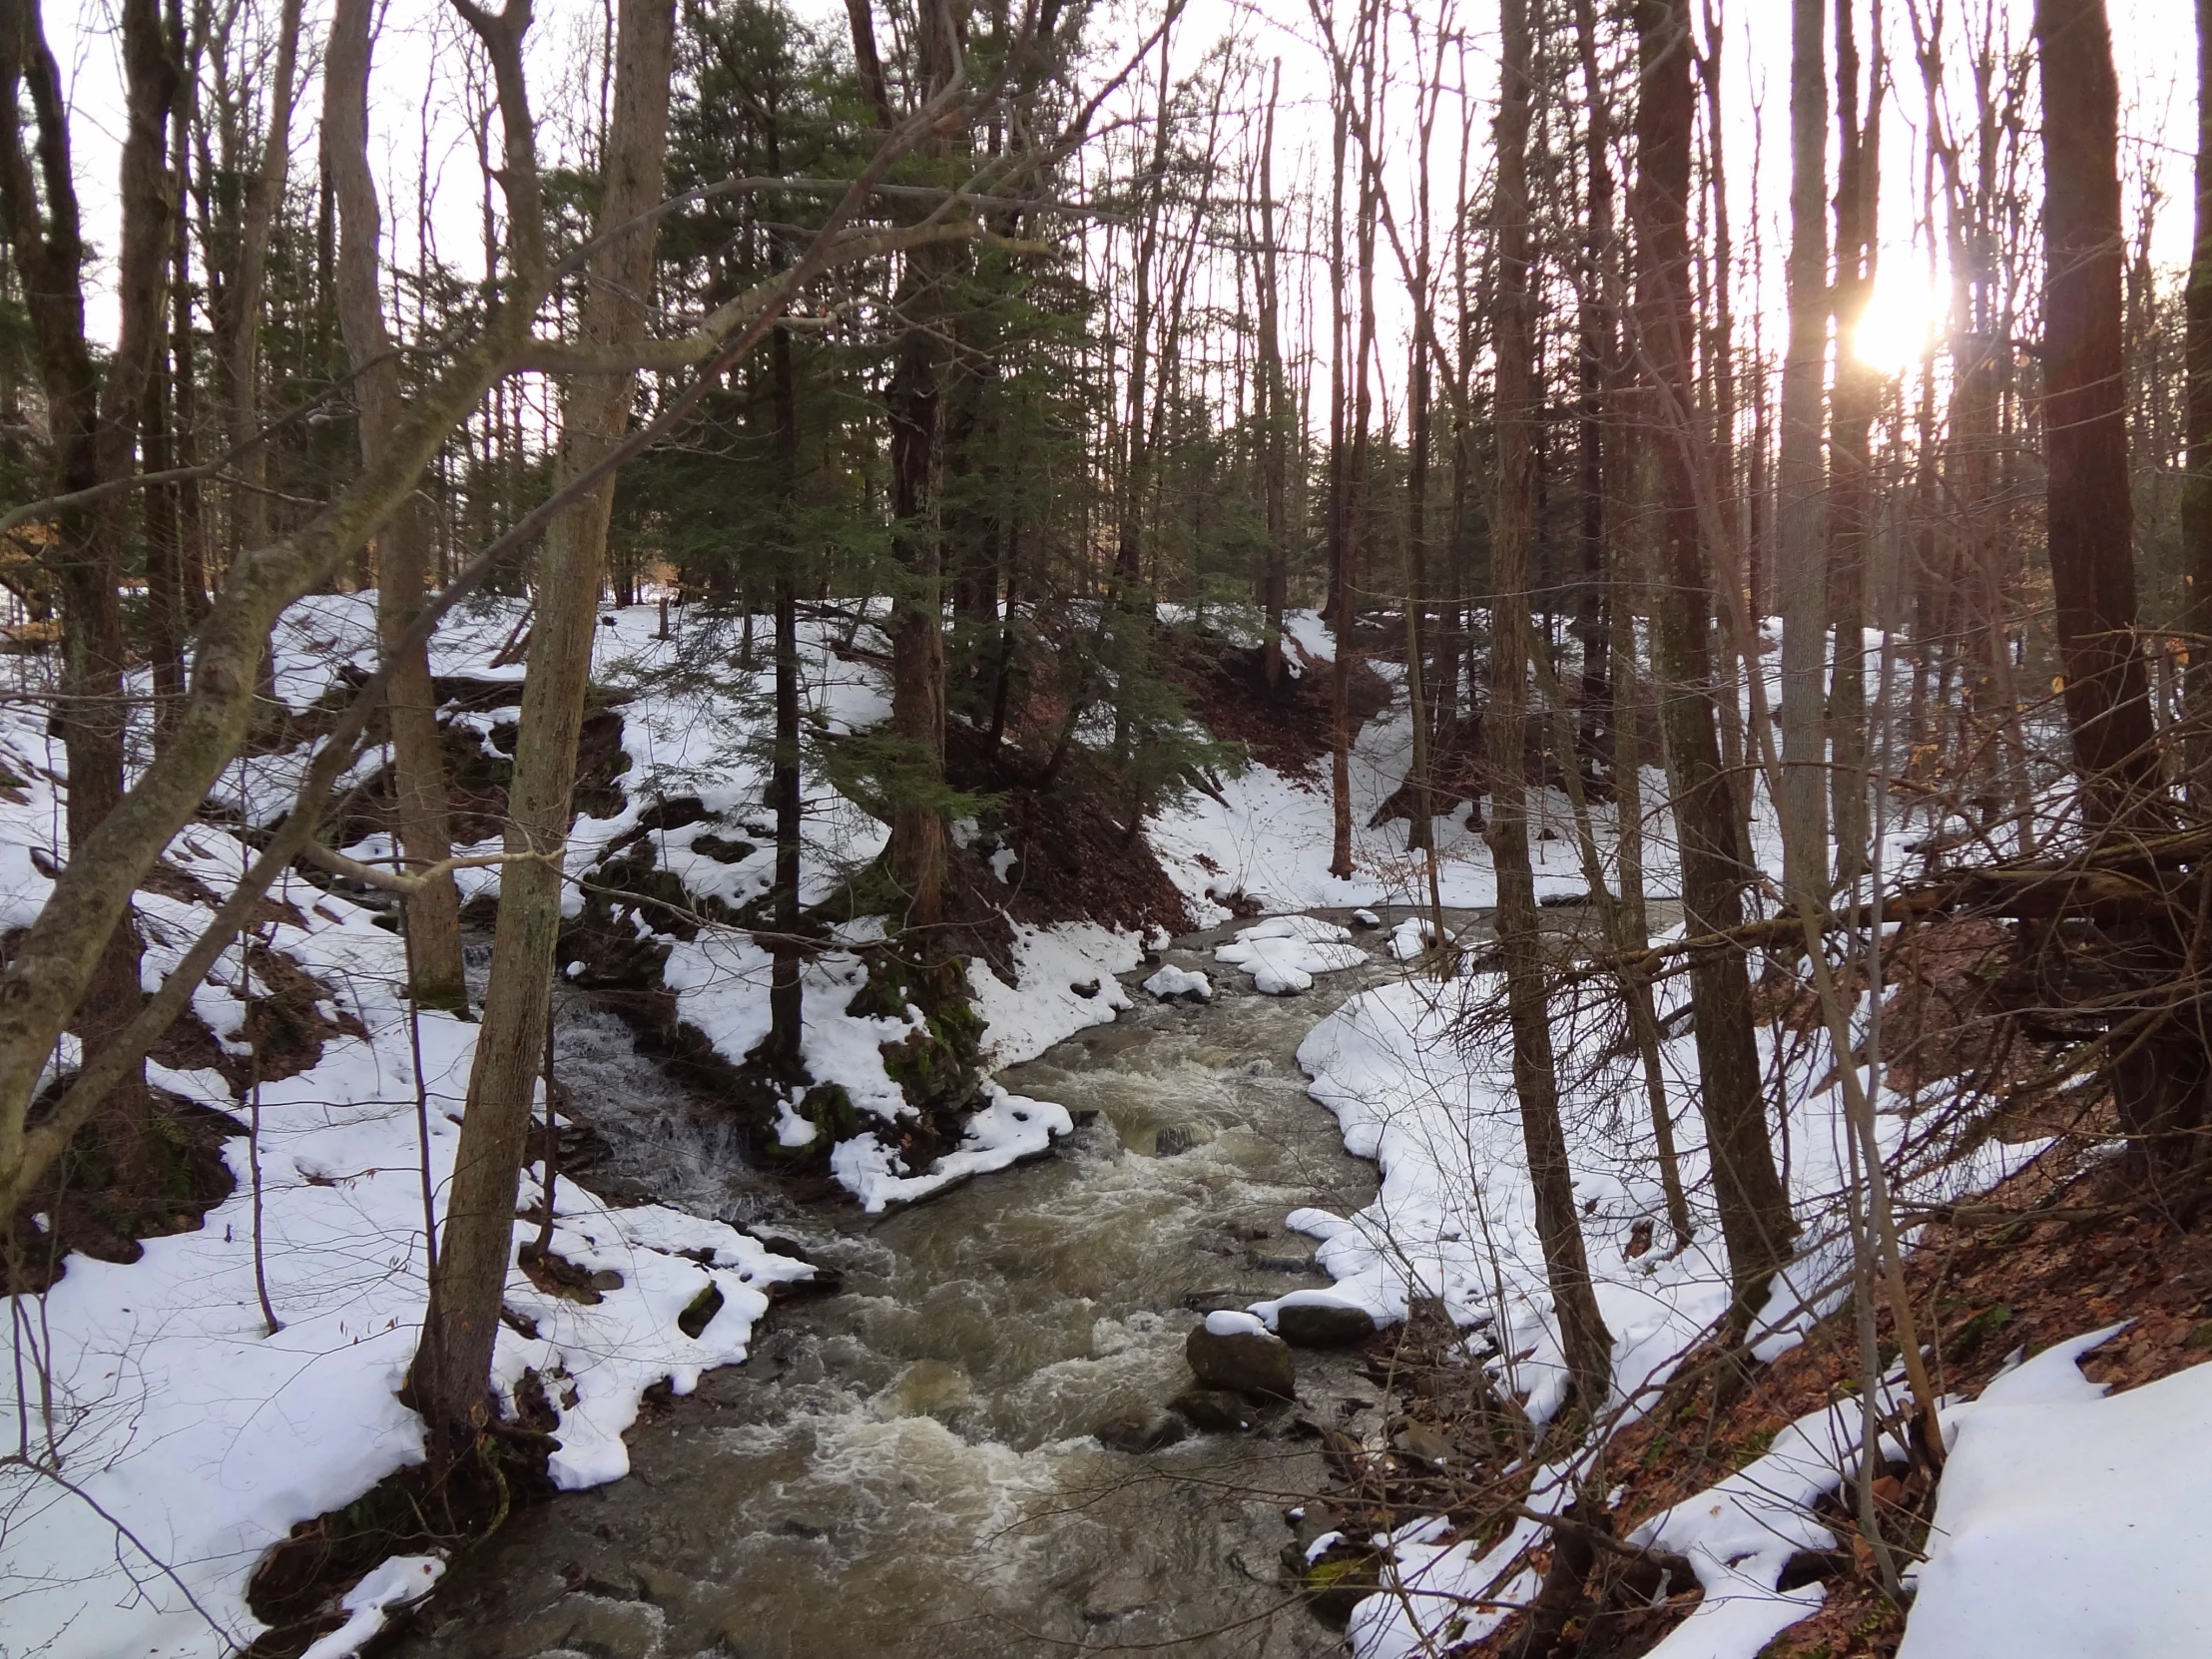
x: 191, y: 1435
x: 186, y: 1435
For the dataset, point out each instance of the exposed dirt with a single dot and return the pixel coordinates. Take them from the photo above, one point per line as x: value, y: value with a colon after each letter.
x: 1290, y: 728
x: 80, y: 1205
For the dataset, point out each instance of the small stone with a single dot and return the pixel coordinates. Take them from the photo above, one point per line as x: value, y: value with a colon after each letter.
x: 1140, y: 1430
x: 1179, y: 1138
x: 1251, y: 1362
x: 1322, y: 1324
x: 1212, y: 1410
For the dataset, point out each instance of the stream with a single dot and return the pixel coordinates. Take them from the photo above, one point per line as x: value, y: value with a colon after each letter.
x: 907, y: 1467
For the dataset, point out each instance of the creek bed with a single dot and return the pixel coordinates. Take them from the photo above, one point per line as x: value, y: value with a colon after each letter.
x: 907, y: 1467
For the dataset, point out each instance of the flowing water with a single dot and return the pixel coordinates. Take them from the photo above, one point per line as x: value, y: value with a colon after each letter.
x: 907, y: 1467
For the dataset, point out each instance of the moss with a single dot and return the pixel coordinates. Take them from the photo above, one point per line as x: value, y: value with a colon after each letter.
x: 830, y: 1110
x: 1967, y: 1339
x: 935, y: 1065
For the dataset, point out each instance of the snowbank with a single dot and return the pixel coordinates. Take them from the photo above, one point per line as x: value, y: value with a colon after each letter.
x: 176, y: 1409
x: 2071, y: 1523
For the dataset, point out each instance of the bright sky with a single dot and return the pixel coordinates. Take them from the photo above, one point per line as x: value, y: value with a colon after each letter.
x: 422, y: 94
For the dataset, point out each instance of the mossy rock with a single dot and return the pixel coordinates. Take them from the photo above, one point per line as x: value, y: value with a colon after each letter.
x: 1337, y: 1583
x: 830, y: 1110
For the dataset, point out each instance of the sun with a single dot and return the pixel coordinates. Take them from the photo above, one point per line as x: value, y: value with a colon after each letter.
x: 1900, y: 323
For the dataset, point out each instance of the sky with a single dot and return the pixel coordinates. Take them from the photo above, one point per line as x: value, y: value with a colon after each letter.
x: 424, y: 88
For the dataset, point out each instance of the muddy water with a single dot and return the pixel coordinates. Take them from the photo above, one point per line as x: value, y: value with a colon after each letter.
x: 909, y: 1467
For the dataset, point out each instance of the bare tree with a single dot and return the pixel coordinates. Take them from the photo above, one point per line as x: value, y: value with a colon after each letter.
x: 1754, y: 1208
x: 92, y: 413
x: 453, y: 1366
x: 2197, y: 493
x: 1801, y: 475
x: 1583, y: 1333
x: 432, y: 907
x: 2089, y: 511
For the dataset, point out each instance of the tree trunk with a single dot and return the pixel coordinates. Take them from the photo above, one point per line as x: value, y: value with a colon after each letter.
x: 1356, y: 480
x: 93, y: 423
x: 1587, y: 1345
x: 1274, y: 415
x: 2196, y: 488
x: 916, y: 856
x: 1858, y: 393
x: 1600, y: 350
x: 787, y: 992
x: 439, y: 980
x: 1799, y: 551
x: 452, y: 1368
x: 243, y: 293
x: 2089, y: 514
x: 1754, y: 1209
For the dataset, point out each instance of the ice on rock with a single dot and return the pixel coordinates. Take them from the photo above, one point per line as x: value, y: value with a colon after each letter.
x: 1283, y: 953
x: 1172, y: 982
x: 1226, y: 1322
x: 1412, y: 936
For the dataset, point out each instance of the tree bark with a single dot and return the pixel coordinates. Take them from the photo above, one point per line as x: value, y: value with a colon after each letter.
x: 1274, y: 406
x: 1583, y: 1338
x: 786, y: 990
x: 2089, y: 514
x: 1858, y: 393
x: 916, y: 856
x: 2196, y: 488
x: 243, y: 292
x: 439, y: 980
x: 93, y: 421
x: 453, y: 1366
x: 1754, y: 1209
x: 1356, y: 466
x: 1599, y: 357
x: 1798, y: 552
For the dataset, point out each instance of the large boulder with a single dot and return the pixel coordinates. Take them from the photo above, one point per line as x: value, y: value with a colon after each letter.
x: 1322, y: 1324
x: 1235, y: 1352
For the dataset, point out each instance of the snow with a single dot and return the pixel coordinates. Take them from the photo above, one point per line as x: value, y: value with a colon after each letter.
x: 1226, y: 1322
x: 2069, y: 1522
x: 1415, y: 936
x: 1172, y: 982
x: 176, y: 1410
x: 1740, y: 1534
x: 1010, y: 1128
x: 1437, y: 1591
x: 1284, y: 953
x: 1045, y: 1005
x: 402, y: 1579
x: 1418, y: 1075
x: 180, y: 1414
